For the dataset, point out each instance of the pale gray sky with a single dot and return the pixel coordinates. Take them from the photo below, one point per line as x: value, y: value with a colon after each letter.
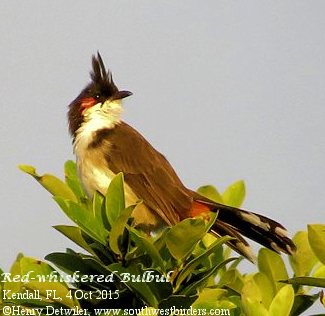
x: 226, y: 90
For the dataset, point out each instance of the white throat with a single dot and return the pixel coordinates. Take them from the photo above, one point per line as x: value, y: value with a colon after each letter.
x: 98, y: 117
x: 91, y: 163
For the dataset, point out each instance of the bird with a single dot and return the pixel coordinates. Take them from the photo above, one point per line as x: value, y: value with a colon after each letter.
x: 105, y: 145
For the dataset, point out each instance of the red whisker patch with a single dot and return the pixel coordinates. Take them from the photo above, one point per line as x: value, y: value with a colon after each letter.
x: 88, y: 102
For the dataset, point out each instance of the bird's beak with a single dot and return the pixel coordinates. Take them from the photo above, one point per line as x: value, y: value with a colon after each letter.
x: 120, y: 95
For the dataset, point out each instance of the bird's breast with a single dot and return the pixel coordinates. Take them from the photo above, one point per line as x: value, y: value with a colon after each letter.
x: 95, y: 175
x: 93, y: 171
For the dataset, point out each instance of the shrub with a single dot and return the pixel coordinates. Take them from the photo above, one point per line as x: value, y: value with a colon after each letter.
x: 123, y: 268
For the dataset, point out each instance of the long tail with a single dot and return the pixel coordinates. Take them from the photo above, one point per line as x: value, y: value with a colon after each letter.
x: 237, y: 223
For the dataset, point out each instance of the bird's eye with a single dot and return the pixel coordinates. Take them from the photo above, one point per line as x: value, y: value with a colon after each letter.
x: 97, y: 96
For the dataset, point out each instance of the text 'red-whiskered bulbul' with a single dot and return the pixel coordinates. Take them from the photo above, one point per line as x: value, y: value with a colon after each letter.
x: 105, y: 145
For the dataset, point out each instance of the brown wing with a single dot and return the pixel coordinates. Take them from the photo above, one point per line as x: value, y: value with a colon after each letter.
x: 147, y: 172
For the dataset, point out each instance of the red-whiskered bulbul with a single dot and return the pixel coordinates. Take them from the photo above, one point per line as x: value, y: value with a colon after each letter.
x: 105, y: 145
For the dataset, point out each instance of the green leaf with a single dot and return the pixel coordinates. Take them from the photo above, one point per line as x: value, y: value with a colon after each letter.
x: 251, y: 290
x: 98, y: 207
x: 177, y: 301
x: 252, y: 307
x: 234, y: 195
x: 72, y: 179
x: 209, y: 299
x: 61, y: 292
x: 319, y: 272
x: 15, y: 270
x: 210, y: 192
x: 159, y: 240
x: 204, y: 277
x: 39, y: 274
x: 84, y: 219
x: 145, y: 244
x: 236, y: 300
x: 76, y: 264
x: 303, y: 260
x: 28, y: 169
x: 75, y: 234
x: 190, y: 267
x: 266, y: 288
x: 272, y: 265
x: 115, y: 201
x: 177, y: 238
x: 282, y: 302
x: 316, y: 237
x: 70, y: 263
x: 148, y: 291
x: 51, y: 183
x: 118, y: 228
x: 302, y: 303
x: 309, y: 281
x: 178, y: 241
x: 232, y: 279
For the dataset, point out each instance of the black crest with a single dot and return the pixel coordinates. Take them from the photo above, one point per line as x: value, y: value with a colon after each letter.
x: 101, y: 88
x: 102, y: 80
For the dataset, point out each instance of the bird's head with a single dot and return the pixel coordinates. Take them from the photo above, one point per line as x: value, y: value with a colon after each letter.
x: 100, y: 98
